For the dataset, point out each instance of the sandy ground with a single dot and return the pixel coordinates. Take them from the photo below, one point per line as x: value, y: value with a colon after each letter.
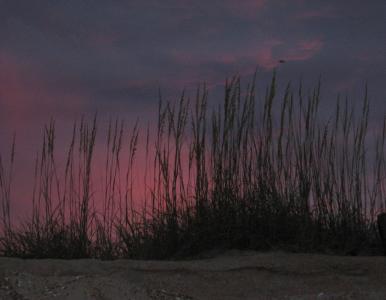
x: 234, y: 275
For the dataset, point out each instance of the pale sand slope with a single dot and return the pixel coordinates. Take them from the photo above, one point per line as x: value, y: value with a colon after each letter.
x: 234, y: 275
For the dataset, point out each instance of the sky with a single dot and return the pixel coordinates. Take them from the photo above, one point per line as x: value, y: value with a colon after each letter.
x: 62, y: 59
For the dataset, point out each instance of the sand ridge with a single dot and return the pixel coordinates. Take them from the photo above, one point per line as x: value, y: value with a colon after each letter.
x: 231, y: 275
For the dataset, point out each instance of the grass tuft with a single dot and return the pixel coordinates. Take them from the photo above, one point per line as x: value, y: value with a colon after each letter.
x: 272, y: 177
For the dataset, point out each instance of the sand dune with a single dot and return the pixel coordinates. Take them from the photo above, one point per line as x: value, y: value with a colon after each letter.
x: 233, y: 275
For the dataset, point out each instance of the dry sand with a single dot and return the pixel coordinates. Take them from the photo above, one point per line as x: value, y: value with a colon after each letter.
x: 233, y: 275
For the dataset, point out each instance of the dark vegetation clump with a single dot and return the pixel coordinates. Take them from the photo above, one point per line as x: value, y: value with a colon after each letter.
x: 232, y: 177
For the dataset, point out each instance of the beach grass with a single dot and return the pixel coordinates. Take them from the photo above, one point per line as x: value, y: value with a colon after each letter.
x: 242, y: 175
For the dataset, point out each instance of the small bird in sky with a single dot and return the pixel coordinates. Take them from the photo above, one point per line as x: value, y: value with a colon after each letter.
x: 282, y: 61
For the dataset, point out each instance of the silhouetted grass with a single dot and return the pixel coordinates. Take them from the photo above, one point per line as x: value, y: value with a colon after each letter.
x: 239, y: 176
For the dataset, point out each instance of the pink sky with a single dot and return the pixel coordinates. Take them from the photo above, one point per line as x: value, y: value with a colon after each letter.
x: 66, y: 59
